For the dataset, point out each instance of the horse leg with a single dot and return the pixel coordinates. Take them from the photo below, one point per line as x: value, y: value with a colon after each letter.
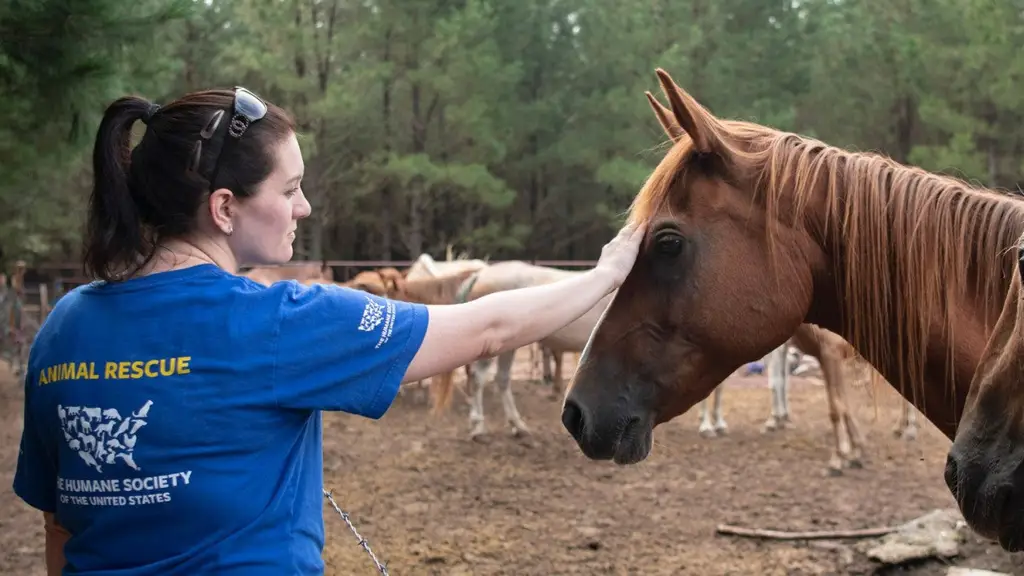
x: 911, y: 432
x: 476, y: 383
x: 907, y: 425
x: 837, y: 411
x: 901, y: 422
x: 787, y: 420
x: 21, y: 357
x: 776, y: 368
x: 856, y: 459
x: 856, y: 438
x: 545, y: 356
x: 794, y: 356
x: 468, y: 370
x: 720, y: 426
x: 536, y: 349
x: 707, y: 429
x: 556, y: 380
x: 504, y: 380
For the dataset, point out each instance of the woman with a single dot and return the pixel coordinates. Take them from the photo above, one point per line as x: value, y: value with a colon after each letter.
x: 172, y: 407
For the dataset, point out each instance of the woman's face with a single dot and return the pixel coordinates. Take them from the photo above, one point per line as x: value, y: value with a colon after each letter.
x: 265, y: 223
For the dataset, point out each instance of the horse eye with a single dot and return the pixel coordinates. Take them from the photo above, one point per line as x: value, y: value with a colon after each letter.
x: 670, y: 244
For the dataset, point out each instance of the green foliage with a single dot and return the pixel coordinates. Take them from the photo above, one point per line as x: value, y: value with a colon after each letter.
x: 61, y: 62
x: 959, y: 158
x: 472, y: 181
x: 514, y: 129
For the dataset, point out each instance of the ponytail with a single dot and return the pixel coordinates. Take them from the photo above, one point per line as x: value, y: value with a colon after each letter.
x: 115, y: 238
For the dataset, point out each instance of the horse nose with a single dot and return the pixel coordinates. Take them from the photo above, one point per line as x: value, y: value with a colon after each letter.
x: 572, y: 419
x: 952, y: 475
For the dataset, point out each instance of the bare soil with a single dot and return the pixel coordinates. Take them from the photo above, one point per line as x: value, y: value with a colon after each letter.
x: 431, y: 501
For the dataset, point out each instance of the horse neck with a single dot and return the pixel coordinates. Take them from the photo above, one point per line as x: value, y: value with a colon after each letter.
x: 432, y: 290
x: 914, y: 278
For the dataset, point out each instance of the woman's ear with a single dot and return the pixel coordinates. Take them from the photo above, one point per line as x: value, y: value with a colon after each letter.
x: 222, y: 208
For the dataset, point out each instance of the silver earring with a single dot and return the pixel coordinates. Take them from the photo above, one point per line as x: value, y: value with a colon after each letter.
x: 230, y: 230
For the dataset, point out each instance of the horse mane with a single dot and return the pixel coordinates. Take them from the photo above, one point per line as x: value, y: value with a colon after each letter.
x: 905, y: 242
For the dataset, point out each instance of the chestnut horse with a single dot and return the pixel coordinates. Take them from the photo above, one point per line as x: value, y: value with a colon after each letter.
x: 910, y: 267
x: 986, y: 462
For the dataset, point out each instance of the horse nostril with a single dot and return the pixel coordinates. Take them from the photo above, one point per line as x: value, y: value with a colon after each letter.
x: 952, y: 475
x: 572, y: 419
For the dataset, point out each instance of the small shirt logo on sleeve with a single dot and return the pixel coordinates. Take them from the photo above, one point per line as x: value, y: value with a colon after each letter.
x: 373, y: 315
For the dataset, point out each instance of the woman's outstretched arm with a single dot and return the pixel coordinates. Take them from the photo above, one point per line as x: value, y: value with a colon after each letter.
x: 459, y: 334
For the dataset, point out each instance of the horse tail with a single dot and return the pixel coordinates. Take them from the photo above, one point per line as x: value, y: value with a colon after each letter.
x: 442, y: 385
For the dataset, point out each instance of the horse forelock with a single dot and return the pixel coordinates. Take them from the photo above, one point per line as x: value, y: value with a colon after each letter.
x: 911, y: 243
x: 656, y: 191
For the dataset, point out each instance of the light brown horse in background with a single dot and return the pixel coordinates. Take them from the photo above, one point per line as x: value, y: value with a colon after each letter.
x: 910, y: 267
x: 426, y: 267
x: 442, y: 289
x: 496, y: 278
x: 380, y: 282
x: 305, y: 272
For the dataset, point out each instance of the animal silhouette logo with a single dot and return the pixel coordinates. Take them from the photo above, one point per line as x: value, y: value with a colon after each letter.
x: 101, y: 436
x: 373, y: 315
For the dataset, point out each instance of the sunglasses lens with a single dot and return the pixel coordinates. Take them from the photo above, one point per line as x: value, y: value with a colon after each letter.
x: 249, y: 105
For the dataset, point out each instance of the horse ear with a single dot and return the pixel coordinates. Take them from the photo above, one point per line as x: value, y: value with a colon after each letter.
x: 689, y: 114
x: 665, y: 118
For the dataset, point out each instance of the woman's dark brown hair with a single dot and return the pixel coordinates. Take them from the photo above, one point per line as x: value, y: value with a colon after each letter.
x: 145, y: 195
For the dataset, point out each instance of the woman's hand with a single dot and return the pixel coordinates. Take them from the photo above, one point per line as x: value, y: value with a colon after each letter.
x: 505, y: 320
x: 619, y: 255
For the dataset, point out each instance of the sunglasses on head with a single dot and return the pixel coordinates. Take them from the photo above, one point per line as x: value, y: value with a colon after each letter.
x: 247, y: 108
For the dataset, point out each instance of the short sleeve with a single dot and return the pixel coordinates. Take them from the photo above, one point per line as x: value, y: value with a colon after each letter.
x: 35, y: 478
x: 343, y: 349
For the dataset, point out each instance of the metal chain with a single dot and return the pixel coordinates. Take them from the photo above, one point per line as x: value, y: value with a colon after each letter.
x: 362, y: 541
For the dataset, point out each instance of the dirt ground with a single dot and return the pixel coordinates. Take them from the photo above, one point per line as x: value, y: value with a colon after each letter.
x: 431, y: 501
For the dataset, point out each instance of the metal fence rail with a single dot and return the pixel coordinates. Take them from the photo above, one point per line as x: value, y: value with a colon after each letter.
x: 68, y: 275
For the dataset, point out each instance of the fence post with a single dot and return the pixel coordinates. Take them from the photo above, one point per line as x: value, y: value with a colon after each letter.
x: 44, y: 303
x: 17, y: 296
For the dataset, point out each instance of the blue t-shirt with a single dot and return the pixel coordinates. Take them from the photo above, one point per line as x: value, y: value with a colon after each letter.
x: 172, y: 422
